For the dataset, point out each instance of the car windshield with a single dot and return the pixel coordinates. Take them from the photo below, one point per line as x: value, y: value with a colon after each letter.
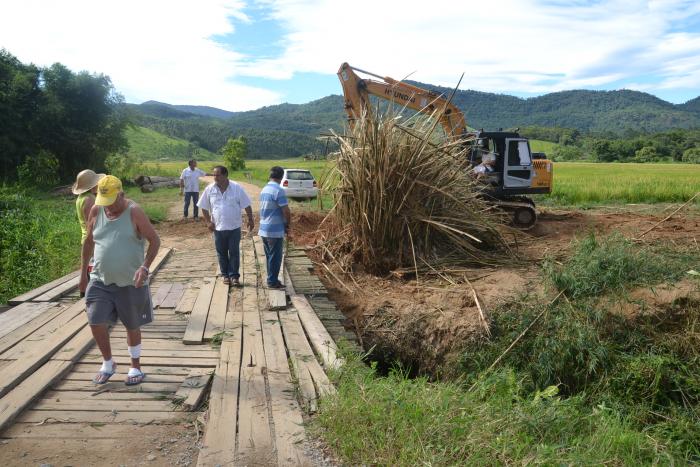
x: 299, y: 175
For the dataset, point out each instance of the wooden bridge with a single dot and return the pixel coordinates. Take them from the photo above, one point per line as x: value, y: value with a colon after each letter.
x: 260, y: 356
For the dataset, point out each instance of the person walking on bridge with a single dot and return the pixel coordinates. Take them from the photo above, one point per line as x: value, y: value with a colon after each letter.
x: 222, y: 203
x: 117, y: 287
x: 275, y: 218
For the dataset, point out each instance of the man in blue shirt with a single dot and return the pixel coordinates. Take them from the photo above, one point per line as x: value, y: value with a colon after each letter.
x: 274, y: 224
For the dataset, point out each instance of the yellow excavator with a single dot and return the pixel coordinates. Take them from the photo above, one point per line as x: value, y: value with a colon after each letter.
x: 517, y: 171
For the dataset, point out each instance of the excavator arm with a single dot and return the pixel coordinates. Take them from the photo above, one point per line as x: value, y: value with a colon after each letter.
x: 357, y: 91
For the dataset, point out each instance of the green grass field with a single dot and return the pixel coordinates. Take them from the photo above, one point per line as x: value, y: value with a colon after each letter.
x: 146, y: 144
x: 575, y: 183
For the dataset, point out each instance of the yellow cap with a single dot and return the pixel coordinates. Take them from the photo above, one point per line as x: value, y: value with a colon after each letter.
x: 107, y: 190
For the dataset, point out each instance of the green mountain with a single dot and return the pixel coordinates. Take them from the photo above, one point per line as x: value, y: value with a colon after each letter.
x: 288, y: 130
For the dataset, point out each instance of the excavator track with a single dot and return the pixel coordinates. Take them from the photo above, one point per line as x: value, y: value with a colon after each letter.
x: 522, y: 209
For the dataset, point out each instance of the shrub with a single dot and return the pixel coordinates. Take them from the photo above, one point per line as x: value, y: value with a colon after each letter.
x: 692, y: 155
x: 39, y: 170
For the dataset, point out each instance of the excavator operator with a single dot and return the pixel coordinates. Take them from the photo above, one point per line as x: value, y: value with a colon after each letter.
x: 487, y: 167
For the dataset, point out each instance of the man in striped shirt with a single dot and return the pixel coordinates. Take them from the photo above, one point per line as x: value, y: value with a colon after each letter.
x: 274, y: 224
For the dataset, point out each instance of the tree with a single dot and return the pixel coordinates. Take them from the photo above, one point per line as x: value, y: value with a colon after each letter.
x: 692, y: 155
x: 235, y: 151
x: 646, y: 154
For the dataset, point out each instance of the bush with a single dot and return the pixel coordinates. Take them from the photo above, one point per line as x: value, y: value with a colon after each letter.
x: 234, y: 152
x: 692, y: 155
x: 39, y: 170
x: 124, y: 166
x: 567, y: 153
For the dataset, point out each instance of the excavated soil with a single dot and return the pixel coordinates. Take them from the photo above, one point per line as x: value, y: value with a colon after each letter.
x: 425, y: 323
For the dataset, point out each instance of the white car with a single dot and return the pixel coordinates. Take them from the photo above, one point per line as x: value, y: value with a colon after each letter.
x: 299, y: 183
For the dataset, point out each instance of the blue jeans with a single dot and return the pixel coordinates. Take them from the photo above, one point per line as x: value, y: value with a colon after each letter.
x: 194, y: 195
x: 273, y: 258
x: 228, y: 244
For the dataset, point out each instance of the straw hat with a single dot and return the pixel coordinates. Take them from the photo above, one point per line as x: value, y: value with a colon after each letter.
x: 86, y: 180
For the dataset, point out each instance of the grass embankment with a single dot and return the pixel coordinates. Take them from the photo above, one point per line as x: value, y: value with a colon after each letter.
x: 146, y: 144
x: 39, y: 240
x: 585, y: 386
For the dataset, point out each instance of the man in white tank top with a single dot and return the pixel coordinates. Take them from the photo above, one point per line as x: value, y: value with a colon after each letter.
x: 117, y: 229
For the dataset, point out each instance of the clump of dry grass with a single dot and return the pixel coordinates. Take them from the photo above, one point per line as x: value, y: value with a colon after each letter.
x: 404, y: 201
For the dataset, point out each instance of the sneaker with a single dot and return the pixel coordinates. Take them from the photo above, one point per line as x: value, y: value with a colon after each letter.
x: 278, y: 285
x: 227, y: 281
x: 235, y: 282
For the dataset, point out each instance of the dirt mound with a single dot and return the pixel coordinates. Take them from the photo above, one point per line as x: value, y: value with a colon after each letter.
x: 657, y: 299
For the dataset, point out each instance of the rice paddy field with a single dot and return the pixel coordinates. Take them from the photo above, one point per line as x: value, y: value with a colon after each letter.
x: 575, y: 183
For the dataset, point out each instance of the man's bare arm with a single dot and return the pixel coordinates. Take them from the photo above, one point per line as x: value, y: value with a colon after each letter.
x: 145, y: 229
x: 88, y: 249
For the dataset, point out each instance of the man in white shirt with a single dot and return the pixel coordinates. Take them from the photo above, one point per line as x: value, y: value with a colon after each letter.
x: 189, y: 185
x: 222, y: 203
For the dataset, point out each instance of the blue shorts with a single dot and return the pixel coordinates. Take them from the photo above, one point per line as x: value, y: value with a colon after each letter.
x: 106, y: 303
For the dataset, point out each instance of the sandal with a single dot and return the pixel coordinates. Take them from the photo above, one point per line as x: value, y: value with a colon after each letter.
x: 103, y: 376
x: 134, y: 377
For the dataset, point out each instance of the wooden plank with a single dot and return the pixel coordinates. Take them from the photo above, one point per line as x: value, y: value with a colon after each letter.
x: 254, y: 430
x: 75, y: 348
x: 12, y: 338
x: 193, y: 388
x: 174, y: 296
x: 159, y: 260
x: 217, y: 310
x: 157, y: 361
x: 286, y: 413
x: 163, y: 290
x: 67, y: 416
x: 147, y: 353
x: 186, y: 303
x: 12, y: 404
x: 117, y: 385
x: 182, y: 371
x: 104, y: 406
x: 152, y: 378
x: 219, y: 443
x: 304, y: 360
x: 99, y: 395
x: 57, y: 291
x: 84, y: 431
x: 13, y: 374
x: 200, y: 311
x: 321, y: 341
x: 21, y: 315
x: 42, y: 289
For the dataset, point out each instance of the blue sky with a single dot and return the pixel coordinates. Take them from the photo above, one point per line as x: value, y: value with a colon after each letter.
x: 242, y: 55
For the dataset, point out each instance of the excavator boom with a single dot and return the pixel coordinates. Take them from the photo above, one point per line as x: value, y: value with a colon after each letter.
x: 357, y: 91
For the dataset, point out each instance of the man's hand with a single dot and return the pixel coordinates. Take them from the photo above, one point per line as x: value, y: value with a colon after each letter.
x: 140, y: 277
x: 251, y: 226
x: 211, y: 226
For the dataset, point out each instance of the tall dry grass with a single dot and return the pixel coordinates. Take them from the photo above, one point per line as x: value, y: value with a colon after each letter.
x: 405, y: 199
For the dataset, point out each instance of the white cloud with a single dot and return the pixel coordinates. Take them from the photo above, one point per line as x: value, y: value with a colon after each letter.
x: 502, y: 45
x: 165, y: 50
x: 155, y: 49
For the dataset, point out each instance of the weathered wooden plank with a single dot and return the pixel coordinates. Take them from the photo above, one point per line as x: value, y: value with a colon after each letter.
x: 304, y: 360
x: 83, y: 431
x: 174, y: 296
x: 163, y: 290
x: 21, y: 315
x: 121, y: 374
x: 12, y: 404
x: 104, y: 406
x: 147, y: 353
x: 254, y: 430
x: 217, y: 310
x: 16, y: 336
x: 192, y: 389
x: 200, y: 311
x: 117, y: 385
x: 13, y: 374
x: 157, y: 361
x: 286, y: 413
x: 68, y: 416
x: 186, y: 303
x: 57, y: 291
x: 321, y: 341
x: 107, y: 395
x: 182, y: 371
x: 42, y: 289
x: 159, y: 260
x: 219, y: 443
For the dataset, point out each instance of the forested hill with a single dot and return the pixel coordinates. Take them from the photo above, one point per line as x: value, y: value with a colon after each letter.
x: 292, y: 129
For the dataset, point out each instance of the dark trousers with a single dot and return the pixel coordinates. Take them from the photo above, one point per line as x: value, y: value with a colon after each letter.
x: 194, y: 196
x: 273, y: 258
x: 228, y: 244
